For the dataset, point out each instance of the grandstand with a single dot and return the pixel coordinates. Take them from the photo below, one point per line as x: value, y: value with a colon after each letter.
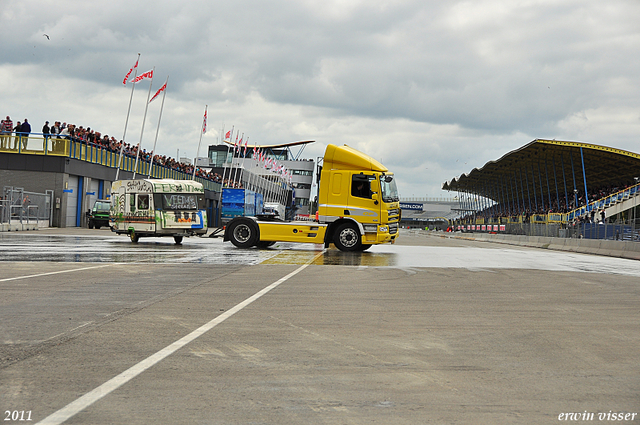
x: 569, y: 185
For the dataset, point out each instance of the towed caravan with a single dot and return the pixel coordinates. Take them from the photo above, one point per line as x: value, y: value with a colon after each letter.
x: 157, y: 208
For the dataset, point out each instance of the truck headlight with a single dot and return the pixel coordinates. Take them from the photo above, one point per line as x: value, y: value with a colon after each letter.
x: 384, y: 229
x: 370, y: 228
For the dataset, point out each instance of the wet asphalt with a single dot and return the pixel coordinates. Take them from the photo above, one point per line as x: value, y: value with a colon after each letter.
x: 429, y: 330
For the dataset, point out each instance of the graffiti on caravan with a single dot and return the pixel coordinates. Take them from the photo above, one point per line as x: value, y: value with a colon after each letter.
x: 180, y: 202
x: 182, y: 186
x: 139, y: 186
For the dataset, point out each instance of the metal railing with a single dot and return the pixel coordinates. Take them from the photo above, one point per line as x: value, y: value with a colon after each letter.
x: 40, y: 144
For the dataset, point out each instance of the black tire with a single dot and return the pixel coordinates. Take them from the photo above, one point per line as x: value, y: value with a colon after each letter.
x: 347, y: 237
x: 365, y: 246
x: 134, y: 236
x: 243, y: 232
x: 97, y: 226
x: 265, y: 244
x: 90, y: 225
x: 178, y: 240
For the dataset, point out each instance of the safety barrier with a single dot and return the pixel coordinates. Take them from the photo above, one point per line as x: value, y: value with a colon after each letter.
x: 611, y: 248
x: 22, y: 210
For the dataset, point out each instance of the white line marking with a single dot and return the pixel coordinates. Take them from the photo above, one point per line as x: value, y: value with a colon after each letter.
x: 50, y: 273
x: 116, y: 382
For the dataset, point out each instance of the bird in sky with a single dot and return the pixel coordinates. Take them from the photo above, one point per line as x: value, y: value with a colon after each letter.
x: 45, y: 35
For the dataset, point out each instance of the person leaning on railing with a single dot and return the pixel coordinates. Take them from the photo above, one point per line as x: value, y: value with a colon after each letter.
x: 5, y: 132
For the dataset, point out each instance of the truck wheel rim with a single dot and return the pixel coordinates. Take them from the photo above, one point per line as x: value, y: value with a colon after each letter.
x: 348, y: 237
x: 242, y: 233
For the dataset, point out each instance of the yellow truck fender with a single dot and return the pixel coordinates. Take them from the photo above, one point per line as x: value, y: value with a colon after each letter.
x: 329, y: 235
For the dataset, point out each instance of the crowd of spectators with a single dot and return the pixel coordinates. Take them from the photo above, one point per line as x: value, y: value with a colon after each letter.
x: 90, y: 137
x: 543, y: 207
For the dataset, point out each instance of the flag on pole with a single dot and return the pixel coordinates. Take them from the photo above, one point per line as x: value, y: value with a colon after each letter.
x: 124, y: 82
x: 204, y: 122
x: 148, y: 74
x: 245, y: 147
x: 228, y: 135
x: 163, y: 88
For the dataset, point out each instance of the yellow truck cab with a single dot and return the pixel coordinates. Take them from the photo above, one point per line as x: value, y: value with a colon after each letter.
x: 158, y: 207
x: 358, y: 206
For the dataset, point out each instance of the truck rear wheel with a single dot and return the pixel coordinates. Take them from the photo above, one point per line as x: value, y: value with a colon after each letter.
x: 243, y: 232
x: 177, y: 240
x: 134, y: 236
x: 347, y: 238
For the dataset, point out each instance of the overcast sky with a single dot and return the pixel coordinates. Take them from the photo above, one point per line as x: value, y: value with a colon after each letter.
x: 432, y: 89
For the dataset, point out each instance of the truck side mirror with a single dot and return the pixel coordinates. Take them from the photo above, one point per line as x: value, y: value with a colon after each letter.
x: 374, y: 196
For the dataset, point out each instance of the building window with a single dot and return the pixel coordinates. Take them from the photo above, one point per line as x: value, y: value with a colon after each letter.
x: 302, y: 173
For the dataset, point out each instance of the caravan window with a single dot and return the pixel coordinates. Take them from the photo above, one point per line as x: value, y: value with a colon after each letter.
x: 143, y: 202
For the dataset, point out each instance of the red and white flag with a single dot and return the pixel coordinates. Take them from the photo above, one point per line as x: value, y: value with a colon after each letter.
x: 228, y: 135
x: 163, y: 88
x: 204, y: 122
x: 245, y: 147
x: 124, y: 82
x: 148, y: 74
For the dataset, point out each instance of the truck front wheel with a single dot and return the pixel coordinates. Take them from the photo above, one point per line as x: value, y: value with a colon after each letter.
x: 347, y: 238
x: 243, y: 233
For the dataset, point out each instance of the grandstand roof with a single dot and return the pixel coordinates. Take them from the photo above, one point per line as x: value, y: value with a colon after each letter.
x: 276, y: 146
x: 542, y: 167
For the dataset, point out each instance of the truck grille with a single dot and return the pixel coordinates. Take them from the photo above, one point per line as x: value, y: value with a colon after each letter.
x: 393, y: 228
x: 393, y: 214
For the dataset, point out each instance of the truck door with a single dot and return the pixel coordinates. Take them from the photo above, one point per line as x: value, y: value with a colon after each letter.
x: 364, y: 204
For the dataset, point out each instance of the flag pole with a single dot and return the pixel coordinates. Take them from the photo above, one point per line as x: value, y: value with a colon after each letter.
x: 244, y: 156
x: 158, y: 129
x: 146, y: 107
x: 235, y: 172
x: 204, y: 130
x: 224, y: 170
x: 133, y: 86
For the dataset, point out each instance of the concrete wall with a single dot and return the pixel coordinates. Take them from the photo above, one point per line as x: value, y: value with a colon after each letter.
x: 622, y: 249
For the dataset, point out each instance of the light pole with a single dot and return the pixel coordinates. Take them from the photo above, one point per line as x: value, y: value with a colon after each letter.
x: 577, y: 208
x: 635, y: 205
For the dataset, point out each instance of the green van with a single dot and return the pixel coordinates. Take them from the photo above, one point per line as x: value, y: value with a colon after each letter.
x: 98, y: 216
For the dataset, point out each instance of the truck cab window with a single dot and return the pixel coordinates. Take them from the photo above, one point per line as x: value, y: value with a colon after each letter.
x: 361, y: 186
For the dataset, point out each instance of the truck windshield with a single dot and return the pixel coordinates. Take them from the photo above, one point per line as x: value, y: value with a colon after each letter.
x: 389, y: 189
x: 101, y: 206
